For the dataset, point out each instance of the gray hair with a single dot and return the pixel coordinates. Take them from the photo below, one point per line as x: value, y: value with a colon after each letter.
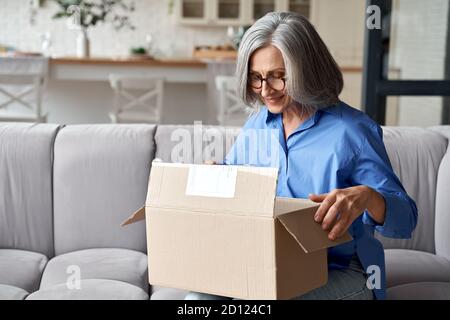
x: 313, y: 78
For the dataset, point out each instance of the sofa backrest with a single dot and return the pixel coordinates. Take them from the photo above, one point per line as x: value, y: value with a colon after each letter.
x: 193, y: 143
x: 26, y: 155
x: 100, y: 177
x: 415, y: 155
x: 442, y: 235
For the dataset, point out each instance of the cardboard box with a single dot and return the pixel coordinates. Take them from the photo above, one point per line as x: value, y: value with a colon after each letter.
x: 222, y: 230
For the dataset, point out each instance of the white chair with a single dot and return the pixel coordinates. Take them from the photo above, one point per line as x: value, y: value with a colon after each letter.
x: 136, y: 99
x: 231, y: 111
x: 23, y: 85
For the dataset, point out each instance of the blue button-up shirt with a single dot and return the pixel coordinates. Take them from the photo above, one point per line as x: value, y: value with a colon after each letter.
x: 337, y: 147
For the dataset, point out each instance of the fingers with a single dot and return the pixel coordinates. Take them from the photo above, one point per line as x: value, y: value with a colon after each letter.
x: 210, y: 162
x: 324, y: 207
x: 340, y: 227
x: 335, y: 212
x: 330, y: 217
x: 317, y: 197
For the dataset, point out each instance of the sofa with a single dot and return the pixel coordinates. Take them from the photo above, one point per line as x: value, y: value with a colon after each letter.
x: 65, y: 190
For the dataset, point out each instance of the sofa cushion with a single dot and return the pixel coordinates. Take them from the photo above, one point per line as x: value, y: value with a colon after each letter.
x: 100, y: 178
x: 443, y: 201
x: 169, y: 294
x: 194, y: 144
x: 415, y: 155
x: 11, y: 293
x: 91, y: 289
x: 114, y: 264
x: 408, y: 266
x: 26, y: 154
x: 22, y: 269
x: 420, y: 291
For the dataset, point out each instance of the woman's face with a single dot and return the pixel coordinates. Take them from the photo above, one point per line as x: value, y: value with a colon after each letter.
x: 268, y: 63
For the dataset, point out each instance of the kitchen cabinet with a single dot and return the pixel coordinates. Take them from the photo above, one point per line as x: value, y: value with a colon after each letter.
x: 258, y: 8
x: 212, y: 12
x: 194, y: 12
x: 234, y: 12
x: 302, y: 7
x: 228, y: 12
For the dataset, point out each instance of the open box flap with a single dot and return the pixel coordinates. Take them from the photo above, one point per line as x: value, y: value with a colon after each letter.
x: 301, y: 225
x: 135, y: 217
x: 244, y: 190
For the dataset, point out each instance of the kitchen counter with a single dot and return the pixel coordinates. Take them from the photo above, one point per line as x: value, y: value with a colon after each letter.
x: 172, y: 70
x: 99, y: 69
x: 129, y: 61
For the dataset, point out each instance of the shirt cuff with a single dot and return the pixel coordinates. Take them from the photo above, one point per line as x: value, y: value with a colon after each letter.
x: 393, y: 212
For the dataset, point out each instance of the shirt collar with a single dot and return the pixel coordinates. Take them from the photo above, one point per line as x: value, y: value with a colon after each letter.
x: 332, y: 109
x: 270, y: 116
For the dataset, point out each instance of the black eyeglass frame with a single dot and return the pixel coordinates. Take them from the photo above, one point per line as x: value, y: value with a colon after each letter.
x: 261, y: 80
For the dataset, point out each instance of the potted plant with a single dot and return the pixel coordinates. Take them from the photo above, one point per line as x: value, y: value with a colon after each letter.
x: 84, y: 14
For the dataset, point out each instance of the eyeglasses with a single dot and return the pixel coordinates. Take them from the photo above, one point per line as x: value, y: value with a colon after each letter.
x: 277, y: 83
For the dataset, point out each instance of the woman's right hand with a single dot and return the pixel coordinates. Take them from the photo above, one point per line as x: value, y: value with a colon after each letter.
x: 210, y: 162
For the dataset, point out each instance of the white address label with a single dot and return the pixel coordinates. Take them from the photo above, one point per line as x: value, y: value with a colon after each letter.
x: 212, y: 181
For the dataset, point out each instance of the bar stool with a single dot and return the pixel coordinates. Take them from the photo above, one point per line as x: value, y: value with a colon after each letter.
x: 22, y: 81
x: 231, y: 111
x: 136, y: 99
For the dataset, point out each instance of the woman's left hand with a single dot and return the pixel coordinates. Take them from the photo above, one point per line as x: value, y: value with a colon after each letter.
x: 340, y: 207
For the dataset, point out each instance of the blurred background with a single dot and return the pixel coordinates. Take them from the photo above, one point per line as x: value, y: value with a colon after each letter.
x: 172, y: 61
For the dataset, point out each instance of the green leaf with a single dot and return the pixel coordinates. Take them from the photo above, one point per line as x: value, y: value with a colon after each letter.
x: 59, y: 15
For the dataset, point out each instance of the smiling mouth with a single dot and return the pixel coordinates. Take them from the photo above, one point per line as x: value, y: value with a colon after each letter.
x: 272, y: 100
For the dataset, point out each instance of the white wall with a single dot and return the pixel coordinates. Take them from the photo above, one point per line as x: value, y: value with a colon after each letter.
x: 341, y: 25
x: 419, y: 34
x: 153, y: 16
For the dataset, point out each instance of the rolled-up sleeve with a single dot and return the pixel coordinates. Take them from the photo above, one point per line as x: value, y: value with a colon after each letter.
x: 373, y: 169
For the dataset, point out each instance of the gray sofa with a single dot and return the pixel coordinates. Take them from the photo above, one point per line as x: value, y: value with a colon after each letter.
x: 64, y: 191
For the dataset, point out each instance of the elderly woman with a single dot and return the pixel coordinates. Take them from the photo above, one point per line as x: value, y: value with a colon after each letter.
x: 325, y: 150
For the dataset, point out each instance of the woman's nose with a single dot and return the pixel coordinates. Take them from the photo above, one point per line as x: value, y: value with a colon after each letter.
x: 265, y: 89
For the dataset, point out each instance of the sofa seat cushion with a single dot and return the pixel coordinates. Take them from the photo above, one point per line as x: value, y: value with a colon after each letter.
x: 168, y: 294
x: 102, y: 263
x: 91, y: 289
x: 12, y: 293
x: 410, y: 266
x: 21, y: 269
x: 420, y: 291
